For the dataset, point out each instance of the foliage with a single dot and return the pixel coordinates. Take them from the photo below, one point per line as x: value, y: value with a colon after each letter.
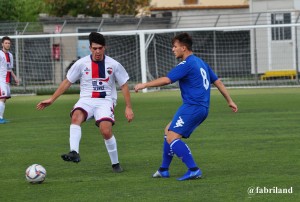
x: 28, y: 10
x: 94, y: 8
x: 66, y: 7
x: 7, y: 11
x: 21, y: 10
x: 123, y: 7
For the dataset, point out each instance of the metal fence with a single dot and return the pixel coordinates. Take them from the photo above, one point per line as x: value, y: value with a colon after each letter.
x: 240, y: 48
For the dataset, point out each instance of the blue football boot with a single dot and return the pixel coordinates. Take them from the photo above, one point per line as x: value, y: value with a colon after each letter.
x: 2, y: 121
x: 189, y: 175
x: 161, y: 174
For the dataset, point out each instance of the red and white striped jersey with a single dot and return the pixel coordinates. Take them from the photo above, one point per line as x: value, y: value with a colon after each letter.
x: 98, y: 79
x: 6, y: 65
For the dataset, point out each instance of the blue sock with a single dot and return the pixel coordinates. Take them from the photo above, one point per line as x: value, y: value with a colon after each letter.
x: 167, y: 155
x: 183, y: 152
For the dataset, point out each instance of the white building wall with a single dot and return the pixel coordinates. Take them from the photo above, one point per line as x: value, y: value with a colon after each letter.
x: 173, y: 3
x: 273, y: 54
x: 207, y: 18
x: 297, y: 4
x: 271, y: 5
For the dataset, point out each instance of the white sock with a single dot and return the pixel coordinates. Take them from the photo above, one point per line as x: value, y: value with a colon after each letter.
x: 111, y: 146
x: 75, y: 136
x: 2, y: 108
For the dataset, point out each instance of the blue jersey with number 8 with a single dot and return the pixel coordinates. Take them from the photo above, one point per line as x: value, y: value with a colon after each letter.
x: 195, y: 77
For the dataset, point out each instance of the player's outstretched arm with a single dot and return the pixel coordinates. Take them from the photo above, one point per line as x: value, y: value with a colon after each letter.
x: 219, y: 84
x: 128, y: 109
x: 15, y: 78
x: 162, y: 81
x: 65, y: 84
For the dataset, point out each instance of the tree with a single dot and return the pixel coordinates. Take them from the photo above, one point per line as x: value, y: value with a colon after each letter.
x: 94, y: 8
x: 123, y: 7
x: 7, y: 11
x: 28, y: 10
x: 21, y: 10
x: 60, y: 8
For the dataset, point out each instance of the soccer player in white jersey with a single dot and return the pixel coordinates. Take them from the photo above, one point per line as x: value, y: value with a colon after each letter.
x: 6, y: 75
x: 194, y: 77
x: 98, y: 74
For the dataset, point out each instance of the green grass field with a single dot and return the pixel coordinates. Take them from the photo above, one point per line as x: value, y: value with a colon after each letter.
x: 256, y: 147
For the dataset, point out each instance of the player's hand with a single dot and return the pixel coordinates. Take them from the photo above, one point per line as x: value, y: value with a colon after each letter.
x: 139, y: 86
x: 233, y: 106
x: 17, y: 82
x: 129, y: 114
x: 43, y: 104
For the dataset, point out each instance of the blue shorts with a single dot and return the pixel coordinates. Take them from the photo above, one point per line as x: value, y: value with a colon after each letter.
x: 187, y: 118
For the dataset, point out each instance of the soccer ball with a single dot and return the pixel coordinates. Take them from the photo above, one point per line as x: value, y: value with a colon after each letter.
x: 35, y: 174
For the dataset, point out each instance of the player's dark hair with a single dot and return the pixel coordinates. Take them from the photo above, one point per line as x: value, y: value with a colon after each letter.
x: 96, y: 37
x: 185, y: 39
x: 5, y: 38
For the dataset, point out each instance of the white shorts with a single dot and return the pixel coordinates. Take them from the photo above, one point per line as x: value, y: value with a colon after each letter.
x: 100, y: 109
x: 4, y: 90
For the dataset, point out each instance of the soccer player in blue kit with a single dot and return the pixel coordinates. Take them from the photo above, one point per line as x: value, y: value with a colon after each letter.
x: 195, y: 78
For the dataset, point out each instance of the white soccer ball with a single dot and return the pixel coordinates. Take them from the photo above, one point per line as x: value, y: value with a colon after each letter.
x: 35, y: 173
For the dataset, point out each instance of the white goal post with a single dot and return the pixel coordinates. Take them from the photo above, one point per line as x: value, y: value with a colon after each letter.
x: 242, y: 56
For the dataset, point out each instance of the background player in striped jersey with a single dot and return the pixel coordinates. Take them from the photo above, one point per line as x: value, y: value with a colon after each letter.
x: 195, y: 77
x: 6, y: 75
x: 98, y: 74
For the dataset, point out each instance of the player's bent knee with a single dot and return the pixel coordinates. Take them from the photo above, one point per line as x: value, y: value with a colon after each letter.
x: 106, y: 134
x: 171, y: 136
x: 106, y: 130
x: 77, y: 117
x: 167, y: 128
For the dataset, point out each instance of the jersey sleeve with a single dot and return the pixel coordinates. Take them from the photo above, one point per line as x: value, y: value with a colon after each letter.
x: 2, y: 60
x: 74, y: 72
x: 121, y: 75
x: 212, y: 75
x: 178, y: 72
x: 11, y: 62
